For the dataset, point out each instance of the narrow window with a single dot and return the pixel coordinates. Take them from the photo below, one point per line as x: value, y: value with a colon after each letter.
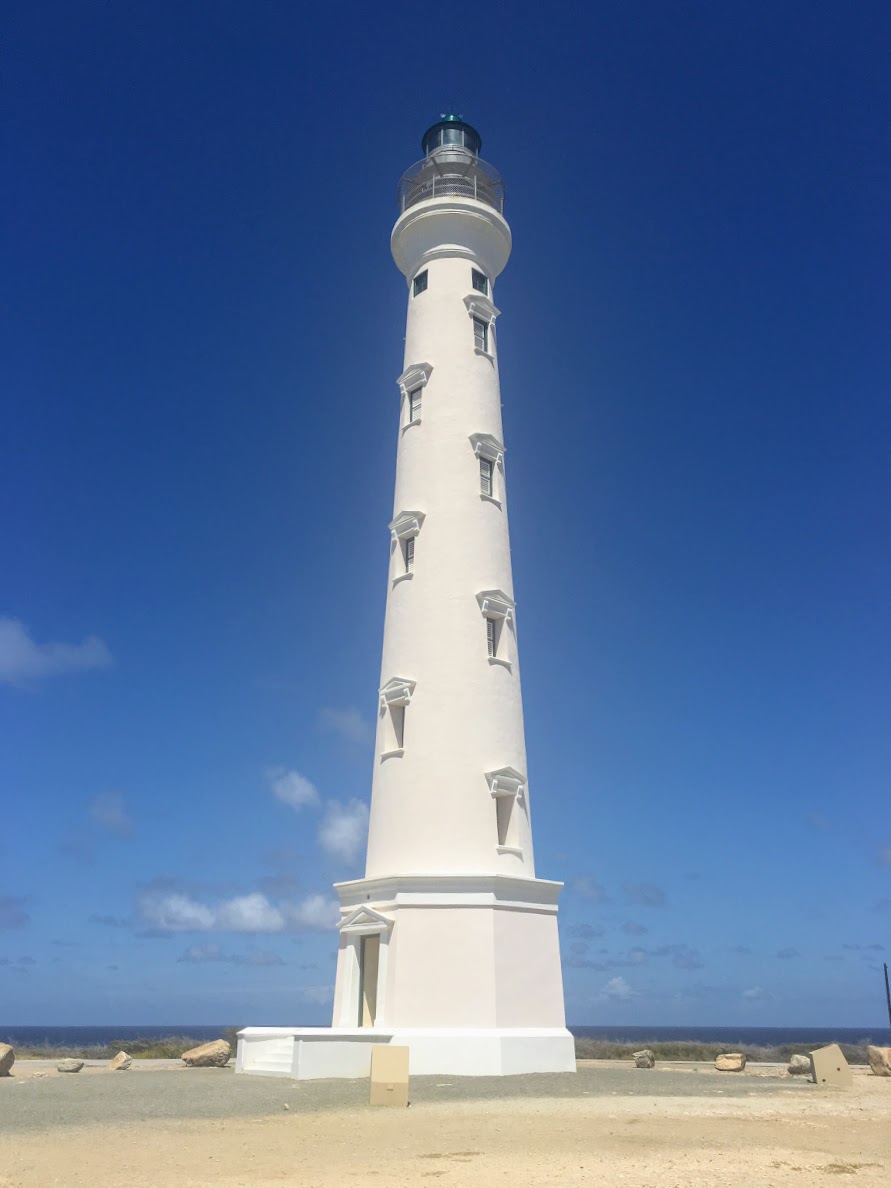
x: 485, y: 476
x: 414, y: 405
x: 504, y: 811
x: 480, y: 334
x: 420, y: 283
x: 480, y: 281
x: 410, y: 555
x: 490, y: 635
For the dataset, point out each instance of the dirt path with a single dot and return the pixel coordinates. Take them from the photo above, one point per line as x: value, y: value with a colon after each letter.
x: 649, y: 1142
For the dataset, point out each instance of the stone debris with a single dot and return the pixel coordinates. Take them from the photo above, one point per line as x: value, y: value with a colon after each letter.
x: 879, y: 1060
x: 7, y: 1059
x: 70, y: 1065
x: 121, y: 1061
x: 213, y: 1055
x: 799, y: 1066
x: 732, y: 1062
x: 644, y: 1059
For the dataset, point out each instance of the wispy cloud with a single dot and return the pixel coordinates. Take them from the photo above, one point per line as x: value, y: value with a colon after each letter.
x: 259, y: 958
x: 644, y: 894
x: 588, y: 888
x: 787, y: 954
x: 586, y: 931
x: 756, y: 994
x: 164, y: 909
x: 292, y: 788
x: 348, y: 723
x: 108, y: 812
x: 617, y: 990
x: 24, y: 662
x: 632, y: 928
x: 344, y: 829
x: 110, y: 921
x: 12, y: 912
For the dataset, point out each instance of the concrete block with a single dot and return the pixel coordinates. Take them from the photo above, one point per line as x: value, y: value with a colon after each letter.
x: 389, y: 1075
x: 829, y: 1067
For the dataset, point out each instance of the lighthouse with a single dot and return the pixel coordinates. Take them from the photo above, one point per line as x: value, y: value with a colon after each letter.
x: 449, y: 943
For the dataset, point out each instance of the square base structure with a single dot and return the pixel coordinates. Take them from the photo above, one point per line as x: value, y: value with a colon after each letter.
x: 462, y: 969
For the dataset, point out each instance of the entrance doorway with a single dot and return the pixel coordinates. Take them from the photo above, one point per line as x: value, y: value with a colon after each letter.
x: 369, y: 961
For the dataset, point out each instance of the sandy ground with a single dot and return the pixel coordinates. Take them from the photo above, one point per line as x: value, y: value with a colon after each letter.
x: 163, y: 1126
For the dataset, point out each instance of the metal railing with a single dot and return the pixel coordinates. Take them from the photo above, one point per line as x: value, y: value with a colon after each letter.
x: 451, y: 174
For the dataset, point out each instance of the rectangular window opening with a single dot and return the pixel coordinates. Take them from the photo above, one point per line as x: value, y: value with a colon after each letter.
x: 504, y: 811
x: 481, y: 334
x: 491, y: 637
x: 410, y: 555
x: 486, y: 485
x: 420, y: 283
x: 480, y: 281
x: 414, y: 406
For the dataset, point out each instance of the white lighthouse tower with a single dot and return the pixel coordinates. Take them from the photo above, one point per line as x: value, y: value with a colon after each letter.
x: 449, y: 943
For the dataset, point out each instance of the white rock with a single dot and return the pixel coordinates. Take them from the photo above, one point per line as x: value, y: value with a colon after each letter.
x: 70, y: 1065
x: 121, y: 1061
x: 645, y: 1059
x: 799, y: 1066
x: 879, y: 1060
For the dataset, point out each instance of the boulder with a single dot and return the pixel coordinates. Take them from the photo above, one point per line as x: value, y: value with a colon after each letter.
x: 799, y: 1066
x: 7, y: 1059
x: 70, y: 1065
x: 645, y: 1059
x: 879, y: 1060
x: 732, y: 1062
x: 213, y: 1055
x: 121, y: 1061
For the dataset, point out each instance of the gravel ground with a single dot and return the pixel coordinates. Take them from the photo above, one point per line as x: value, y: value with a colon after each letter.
x: 35, y: 1100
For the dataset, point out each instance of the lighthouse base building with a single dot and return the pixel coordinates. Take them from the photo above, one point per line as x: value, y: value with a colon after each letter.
x: 449, y: 944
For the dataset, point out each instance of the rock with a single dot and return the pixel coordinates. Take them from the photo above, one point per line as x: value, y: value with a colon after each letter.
x: 121, y: 1061
x: 799, y: 1066
x: 213, y: 1055
x: 732, y: 1062
x: 7, y: 1059
x: 645, y: 1059
x: 70, y: 1065
x: 879, y: 1060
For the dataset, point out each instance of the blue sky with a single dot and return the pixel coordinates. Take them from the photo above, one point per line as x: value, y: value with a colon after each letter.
x: 202, y: 327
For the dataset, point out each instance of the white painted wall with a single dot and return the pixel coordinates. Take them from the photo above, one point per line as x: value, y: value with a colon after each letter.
x: 432, y: 809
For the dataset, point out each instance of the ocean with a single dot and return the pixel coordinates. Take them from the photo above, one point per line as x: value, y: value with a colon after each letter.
x: 731, y: 1034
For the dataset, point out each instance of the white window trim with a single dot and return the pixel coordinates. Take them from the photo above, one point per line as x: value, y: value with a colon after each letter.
x: 495, y: 604
x: 397, y: 691
x: 479, y: 306
x: 415, y: 376
x: 506, y: 781
x: 406, y: 525
x: 489, y: 447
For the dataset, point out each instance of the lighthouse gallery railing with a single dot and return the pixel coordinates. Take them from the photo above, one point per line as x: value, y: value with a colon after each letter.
x: 451, y: 174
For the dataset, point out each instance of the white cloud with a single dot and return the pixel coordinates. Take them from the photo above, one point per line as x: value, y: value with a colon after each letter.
x: 292, y: 788
x: 249, y: 913
x: 176, y: 911
x: 22, y: 660
x: 344, y: 828
x: 618, y: 990
x: 316, y: 911
x: 107, y: 810
x: 754, y: 993
x: 348, y: 723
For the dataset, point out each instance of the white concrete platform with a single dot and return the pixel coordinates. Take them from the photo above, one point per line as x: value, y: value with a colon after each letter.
x: 312, y: 1053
